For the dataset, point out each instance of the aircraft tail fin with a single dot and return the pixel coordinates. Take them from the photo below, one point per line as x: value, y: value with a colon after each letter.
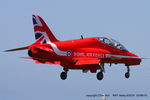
x: 41, y: 30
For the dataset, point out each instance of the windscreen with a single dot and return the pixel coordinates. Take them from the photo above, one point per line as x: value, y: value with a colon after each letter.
x: 112, y: 42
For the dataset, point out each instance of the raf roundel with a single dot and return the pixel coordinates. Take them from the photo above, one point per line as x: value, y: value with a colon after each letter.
x: 69, y: 53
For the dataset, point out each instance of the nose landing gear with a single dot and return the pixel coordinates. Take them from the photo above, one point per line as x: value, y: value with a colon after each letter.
x: 127, y: 74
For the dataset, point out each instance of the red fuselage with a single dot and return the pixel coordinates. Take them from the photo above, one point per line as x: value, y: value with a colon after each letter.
x: 84, y: 54
x: 90, y: 48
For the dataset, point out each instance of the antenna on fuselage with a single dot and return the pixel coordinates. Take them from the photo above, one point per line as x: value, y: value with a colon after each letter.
x: 81, y: 36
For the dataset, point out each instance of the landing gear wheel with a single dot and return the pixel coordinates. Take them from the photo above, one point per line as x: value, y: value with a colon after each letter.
x: 127, y: 74
x: 99, y: 75
x: 63, y: 75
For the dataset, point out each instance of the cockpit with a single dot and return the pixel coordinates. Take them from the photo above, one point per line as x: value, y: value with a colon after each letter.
x: 112, y: 42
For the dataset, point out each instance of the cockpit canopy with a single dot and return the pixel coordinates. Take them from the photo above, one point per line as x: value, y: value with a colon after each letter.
x: 112, y: 42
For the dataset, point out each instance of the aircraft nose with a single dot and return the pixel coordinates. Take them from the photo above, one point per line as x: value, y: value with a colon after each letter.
x: 135, y: 61
x: 131, y: 54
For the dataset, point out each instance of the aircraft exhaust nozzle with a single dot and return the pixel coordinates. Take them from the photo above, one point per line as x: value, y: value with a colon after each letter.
x: 30, y: 53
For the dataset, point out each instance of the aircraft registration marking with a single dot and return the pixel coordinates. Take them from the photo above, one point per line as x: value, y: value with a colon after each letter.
x: 82, y: 54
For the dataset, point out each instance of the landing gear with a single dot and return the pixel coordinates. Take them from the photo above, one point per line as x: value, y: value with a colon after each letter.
x: 100, y: 75
x: 127, y: 74
x: 63, y: 75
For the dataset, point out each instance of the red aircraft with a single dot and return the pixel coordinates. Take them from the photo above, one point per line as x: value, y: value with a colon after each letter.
x: 86, y: 54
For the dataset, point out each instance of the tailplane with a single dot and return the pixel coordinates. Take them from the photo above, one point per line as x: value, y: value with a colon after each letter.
x: 42, y: 33
x: 17, y: 49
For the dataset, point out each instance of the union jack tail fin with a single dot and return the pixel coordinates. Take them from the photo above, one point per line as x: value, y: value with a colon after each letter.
x: 42, y: 33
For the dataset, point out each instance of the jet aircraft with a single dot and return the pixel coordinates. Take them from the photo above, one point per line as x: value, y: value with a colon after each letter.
x: 86, y: 54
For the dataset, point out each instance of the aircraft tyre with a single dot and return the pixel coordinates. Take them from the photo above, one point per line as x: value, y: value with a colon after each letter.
x: 127, y: 74
x: 63, y: 75
x: 99, y: 75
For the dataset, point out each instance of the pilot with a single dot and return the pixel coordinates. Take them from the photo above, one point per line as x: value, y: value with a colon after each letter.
x: 101, y: 39
x: 115, y: 44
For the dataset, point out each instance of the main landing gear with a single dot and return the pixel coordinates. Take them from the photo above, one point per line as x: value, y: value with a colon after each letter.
x: 100, y: 74
x: 63, y: 75
x: 127, y: 74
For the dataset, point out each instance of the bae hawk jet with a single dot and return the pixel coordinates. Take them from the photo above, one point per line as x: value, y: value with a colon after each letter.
x: 86, y: 54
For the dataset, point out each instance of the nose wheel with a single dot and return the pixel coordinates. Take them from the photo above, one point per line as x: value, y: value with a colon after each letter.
x: 127, y: 74
x: 63, y: 75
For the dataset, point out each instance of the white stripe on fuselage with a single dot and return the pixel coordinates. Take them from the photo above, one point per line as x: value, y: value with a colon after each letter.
x: 64, y: 53
x: 120, y: 56
x: 57, y: 51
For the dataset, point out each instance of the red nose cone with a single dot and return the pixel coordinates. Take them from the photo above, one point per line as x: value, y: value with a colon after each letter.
x: 135, y: 60
x: 131, y: 54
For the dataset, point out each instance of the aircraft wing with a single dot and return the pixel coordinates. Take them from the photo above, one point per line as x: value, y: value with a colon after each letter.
x: 87, y: 61
x: 48, y: 62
